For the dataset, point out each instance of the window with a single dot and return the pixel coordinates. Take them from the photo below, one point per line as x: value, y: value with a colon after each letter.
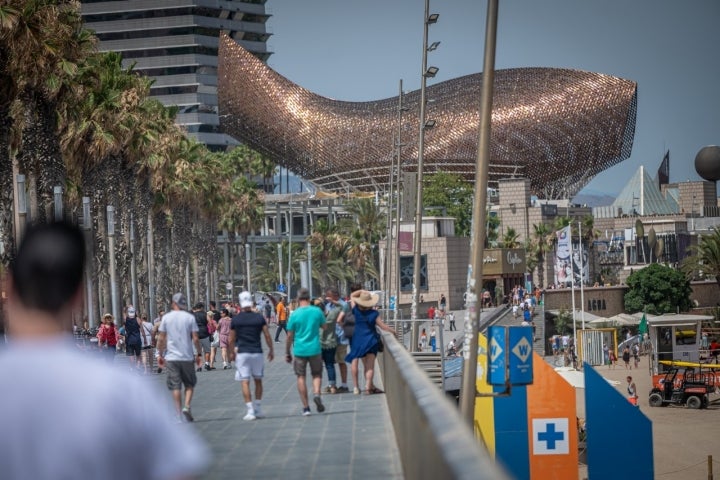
x: 407, y: 264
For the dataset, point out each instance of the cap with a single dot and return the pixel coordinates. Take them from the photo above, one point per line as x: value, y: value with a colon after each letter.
x: 131, y: 312
x: 180, y: 300
x: 246, y: 300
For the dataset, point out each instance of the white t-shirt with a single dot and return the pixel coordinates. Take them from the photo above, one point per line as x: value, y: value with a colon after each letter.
x: 67, y: 414
x: 146, y: 334
x: 179, y: 325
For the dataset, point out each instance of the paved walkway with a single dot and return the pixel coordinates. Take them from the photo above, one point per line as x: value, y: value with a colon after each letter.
x: 353, y: 438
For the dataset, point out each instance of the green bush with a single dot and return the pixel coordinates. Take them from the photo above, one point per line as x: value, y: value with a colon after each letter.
x: 658, y: 289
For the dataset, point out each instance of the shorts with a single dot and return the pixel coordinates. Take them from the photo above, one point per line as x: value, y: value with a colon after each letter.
x: 341, y: 353
x: 316, y: 366
x: 249, y: 365
x: 181, y: 373
x: 204, y: 344
x: 131, y: 350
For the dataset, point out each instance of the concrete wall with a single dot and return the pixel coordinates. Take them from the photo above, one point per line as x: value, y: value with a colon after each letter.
x: 433, y: 440
x: 609, y: 301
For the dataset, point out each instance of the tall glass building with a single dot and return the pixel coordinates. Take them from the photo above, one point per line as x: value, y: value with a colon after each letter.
x: 175, y: 42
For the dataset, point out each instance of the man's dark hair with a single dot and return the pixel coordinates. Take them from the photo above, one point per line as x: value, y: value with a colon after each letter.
x: 354, y: 287
x: 199, y: 306
x: 48, y: 268
x: 213, y: 305
x: 303, y: 294
x: 332, y: 291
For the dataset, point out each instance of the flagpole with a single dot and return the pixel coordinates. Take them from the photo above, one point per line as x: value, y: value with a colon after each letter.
x: 582, y: 270
x: 572, y: 282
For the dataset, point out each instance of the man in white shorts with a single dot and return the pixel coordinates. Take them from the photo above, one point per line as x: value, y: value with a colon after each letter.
x: 245, y: 331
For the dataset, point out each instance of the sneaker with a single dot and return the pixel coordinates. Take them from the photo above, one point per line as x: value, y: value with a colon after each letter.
x: 319, y: 404
x: 250, y: 416
x: 277, y: 341
x: 159, y: 371
x: 188, y: 415
x: 343, y: 390
x: 327, y: 389
x: 178, y: 419
x: 259, y: 413
x: 207, y: 367
x: 199, y: 370
x: 225, y: 367
x: 333, y: 390
x: 306, y: 412
x: 356, y: 391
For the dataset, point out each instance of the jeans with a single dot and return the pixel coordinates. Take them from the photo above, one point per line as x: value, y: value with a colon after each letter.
x: 281, y: 326
x: 328, y: 356
x: 432, y: 344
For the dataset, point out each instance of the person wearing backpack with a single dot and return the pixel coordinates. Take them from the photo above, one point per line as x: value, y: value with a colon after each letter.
x: 334, y: 311
x: 344, y: 328
x: 198, y: 312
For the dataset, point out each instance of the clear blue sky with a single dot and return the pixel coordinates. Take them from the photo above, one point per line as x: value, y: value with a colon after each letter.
x: 357, y: 50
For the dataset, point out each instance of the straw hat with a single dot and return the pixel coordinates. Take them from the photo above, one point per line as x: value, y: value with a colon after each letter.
x: 366, y: 299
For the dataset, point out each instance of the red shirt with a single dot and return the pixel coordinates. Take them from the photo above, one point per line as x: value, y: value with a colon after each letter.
x: 107, y: 334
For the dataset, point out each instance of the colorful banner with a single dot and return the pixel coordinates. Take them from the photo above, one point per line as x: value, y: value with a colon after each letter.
x: 563, y: 260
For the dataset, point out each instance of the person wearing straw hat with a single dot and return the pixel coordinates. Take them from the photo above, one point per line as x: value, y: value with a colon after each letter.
x: 365, y: 341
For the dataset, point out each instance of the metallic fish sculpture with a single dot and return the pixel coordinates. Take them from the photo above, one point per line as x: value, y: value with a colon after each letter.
x: 557, y: 127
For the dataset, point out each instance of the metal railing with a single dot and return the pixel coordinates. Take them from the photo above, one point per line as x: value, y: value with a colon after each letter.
x: 433, y: 440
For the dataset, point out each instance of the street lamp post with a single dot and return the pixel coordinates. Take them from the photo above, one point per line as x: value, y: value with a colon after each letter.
x: 472, y: 319
x: 57, y: 202
x: 397, y: 203
x: 111, y: 253
x: 417, y: 240
x: 21, y: 207
x: 290, y: 232
x: 87, y: 228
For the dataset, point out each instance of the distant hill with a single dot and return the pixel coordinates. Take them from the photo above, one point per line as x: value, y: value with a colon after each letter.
x: 593, y: 198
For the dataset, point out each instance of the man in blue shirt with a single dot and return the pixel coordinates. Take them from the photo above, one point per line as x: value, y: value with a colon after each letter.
x: 304, y: 339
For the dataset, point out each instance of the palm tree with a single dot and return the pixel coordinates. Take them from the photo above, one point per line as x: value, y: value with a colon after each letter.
x: 542, y: 240
x: 327, y: 243
x: 46, y: 44
x: 369, y: 219
x: 704, y: 257
x: 590, y: 235
x: 510, y: 239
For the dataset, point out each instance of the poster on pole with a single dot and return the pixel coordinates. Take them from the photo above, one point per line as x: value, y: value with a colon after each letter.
x: 563, y: 253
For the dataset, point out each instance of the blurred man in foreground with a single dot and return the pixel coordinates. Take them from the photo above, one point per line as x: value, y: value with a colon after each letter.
x: 60, y: 408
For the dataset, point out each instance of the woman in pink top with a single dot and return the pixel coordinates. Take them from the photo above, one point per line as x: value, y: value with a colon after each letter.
x: 224, y: 329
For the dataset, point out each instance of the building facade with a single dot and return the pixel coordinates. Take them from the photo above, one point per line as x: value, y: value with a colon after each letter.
x: 175, y: 42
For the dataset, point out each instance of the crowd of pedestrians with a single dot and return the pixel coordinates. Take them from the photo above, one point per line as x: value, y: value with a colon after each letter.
x: 180, y: 343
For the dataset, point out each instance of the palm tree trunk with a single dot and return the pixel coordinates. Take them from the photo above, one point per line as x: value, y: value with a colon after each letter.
x: 7, y: 237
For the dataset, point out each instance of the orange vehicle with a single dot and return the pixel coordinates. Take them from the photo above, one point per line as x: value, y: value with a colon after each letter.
x: 685, y: 383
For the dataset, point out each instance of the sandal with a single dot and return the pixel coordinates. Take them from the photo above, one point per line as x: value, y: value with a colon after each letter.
x: 373, y: 391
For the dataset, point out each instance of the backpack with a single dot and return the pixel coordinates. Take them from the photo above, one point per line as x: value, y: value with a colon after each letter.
x: 348, y: 324
x: 212, y: 326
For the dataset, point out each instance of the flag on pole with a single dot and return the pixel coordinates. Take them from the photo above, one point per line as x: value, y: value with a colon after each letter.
x: 642, y: 329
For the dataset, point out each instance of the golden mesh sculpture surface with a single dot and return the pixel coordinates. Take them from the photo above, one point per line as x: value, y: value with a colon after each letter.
x: 557, y: 127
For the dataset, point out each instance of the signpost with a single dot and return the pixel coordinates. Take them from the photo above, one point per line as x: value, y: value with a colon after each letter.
x: 281, y: 288
x: 510, y: 355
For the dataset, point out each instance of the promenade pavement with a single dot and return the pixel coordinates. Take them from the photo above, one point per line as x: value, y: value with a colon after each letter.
x: 353, y: 438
